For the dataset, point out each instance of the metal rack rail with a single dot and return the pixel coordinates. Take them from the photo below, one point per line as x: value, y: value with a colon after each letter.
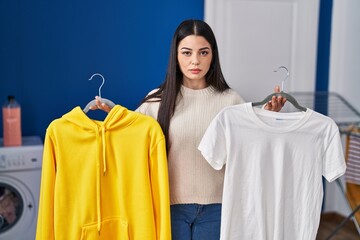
x: 330, y: 104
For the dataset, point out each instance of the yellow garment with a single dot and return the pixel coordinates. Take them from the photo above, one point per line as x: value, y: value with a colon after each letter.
x: 104, y: 179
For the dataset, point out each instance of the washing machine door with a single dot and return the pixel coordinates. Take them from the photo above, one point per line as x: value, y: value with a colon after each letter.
x: 17, y: 210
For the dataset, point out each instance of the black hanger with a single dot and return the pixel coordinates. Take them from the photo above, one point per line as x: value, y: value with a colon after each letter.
x: 104, y: 100
x: 283, y: 94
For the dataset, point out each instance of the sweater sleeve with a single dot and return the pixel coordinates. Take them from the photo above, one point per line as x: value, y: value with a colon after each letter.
x: 151, y: 107
x: 160, y: 186
x: 45, y: 222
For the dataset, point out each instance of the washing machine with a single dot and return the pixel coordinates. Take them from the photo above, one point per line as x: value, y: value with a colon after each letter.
x: 20, y: 174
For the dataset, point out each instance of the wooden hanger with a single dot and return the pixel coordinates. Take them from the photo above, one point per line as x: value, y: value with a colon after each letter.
x: 104, y: 100
x: 283, y: 94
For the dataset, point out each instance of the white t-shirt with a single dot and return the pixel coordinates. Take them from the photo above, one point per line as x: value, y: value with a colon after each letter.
x: 274, y: 168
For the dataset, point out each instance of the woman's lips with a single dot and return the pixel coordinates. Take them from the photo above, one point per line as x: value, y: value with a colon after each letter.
x: 195, y: 71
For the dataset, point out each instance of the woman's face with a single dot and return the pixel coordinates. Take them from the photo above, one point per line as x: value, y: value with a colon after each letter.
x: 194, y: 56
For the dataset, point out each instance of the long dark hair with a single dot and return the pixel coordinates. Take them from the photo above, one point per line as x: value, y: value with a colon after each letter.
x: 170, y: 88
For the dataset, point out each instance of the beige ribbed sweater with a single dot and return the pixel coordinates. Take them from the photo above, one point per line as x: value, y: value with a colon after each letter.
x: 192, y: 179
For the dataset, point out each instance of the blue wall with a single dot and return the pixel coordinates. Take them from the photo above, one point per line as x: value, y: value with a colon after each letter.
x: 49, y: 49
x: 324, y: 42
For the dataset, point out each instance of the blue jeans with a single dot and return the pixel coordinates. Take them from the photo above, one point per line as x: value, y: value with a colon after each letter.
x: 195, y: 221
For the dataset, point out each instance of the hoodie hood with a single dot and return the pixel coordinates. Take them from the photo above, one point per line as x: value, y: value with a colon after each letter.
x: 118, y: 117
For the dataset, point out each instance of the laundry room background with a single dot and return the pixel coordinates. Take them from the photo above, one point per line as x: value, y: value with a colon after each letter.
x: 49, y: 50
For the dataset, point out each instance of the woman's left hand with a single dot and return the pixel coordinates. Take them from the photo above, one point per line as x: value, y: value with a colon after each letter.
x: 276, y: 103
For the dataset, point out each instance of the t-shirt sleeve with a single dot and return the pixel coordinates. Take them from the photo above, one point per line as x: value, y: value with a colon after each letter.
x: 334, y: 161
x: 213, y: 144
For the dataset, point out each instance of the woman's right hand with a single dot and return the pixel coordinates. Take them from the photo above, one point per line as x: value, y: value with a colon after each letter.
x: 100, y: 105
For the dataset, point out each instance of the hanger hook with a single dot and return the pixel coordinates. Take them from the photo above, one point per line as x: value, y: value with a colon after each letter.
x: 287, y: 76
x: 103, y: 81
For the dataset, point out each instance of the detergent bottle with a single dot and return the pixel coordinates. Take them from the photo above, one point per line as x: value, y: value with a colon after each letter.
x: 11, y: 122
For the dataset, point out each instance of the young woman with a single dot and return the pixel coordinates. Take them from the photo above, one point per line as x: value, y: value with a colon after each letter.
x: 193, y: 92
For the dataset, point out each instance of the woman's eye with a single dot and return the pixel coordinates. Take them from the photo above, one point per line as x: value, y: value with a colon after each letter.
x: 204, y: 53
x: 186, y: 53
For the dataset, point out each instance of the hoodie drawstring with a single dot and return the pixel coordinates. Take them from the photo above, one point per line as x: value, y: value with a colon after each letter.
x: 103, y: 148
x: 98, y: 177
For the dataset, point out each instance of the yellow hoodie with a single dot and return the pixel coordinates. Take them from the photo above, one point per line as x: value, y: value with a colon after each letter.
x: 104, y: 179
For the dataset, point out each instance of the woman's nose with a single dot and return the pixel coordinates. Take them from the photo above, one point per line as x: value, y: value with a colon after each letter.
x: 195, y: 61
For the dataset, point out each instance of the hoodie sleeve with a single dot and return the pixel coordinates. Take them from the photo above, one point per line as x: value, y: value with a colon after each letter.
x: 160, y: 186
x: 45, y: 222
